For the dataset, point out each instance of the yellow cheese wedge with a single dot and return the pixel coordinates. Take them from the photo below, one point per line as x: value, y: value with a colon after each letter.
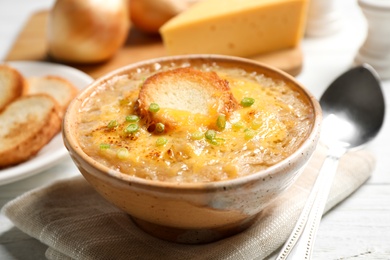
x: 236, y: 27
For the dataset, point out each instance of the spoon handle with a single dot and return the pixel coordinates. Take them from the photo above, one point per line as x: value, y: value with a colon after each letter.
x: 301, y: 241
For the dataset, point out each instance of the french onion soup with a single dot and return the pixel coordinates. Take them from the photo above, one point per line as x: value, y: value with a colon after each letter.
x: 198, y: 123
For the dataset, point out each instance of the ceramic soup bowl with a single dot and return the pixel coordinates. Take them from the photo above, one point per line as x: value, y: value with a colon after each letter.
x: 180, y: 184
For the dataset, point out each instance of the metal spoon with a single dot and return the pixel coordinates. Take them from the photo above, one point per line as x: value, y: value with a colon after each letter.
x: 353, y: 108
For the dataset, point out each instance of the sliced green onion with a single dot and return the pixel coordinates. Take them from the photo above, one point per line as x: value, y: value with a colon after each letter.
x: 249, y: 134
x: 247, y: 101
x: 112, y: 124
x: 161, y: 141
x: 122, y: 153
x: 132, y: 128
x: 124, y: 102
x: 237, y: 126
x: 210, y: 134
x: 221, y: 122
x: 153, y: 107
x: 160, y: 127
x: 213, y: 141
x: 132, y: 118
x: 216, y: 141
x: 197, y: 135
x: 104, y: 146
x: 211, y: 137
x: 256, y: 124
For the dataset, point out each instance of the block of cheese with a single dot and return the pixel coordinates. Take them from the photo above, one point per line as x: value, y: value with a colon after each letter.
x: 236, y: 27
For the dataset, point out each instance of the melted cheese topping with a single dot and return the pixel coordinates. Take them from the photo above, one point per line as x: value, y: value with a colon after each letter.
x: 254, y: 137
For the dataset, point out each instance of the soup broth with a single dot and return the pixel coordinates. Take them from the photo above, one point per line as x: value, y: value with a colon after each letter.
x: 254, y: 136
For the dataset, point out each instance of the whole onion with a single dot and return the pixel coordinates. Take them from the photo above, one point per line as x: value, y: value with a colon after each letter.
x: 87, y: 31
x: 150, y: 15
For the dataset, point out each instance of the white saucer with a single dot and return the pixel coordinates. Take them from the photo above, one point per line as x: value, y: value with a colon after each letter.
x: 54, y: 151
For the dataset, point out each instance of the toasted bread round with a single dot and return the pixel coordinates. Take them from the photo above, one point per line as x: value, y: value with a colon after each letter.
x: 187, y: 90
x: 11, y: 85
x: 27, y: 124
x: 59, y: 88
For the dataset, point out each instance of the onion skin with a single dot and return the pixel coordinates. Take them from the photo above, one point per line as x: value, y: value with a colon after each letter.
x: 87, y: 31
x: 150, y: 15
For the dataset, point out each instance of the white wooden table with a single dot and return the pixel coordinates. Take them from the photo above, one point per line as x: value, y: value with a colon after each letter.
x: 358, y: 228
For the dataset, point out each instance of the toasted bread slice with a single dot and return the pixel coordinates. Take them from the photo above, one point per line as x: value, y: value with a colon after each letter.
x: 59, y: 88
x: 11, y: 85
x: 27, y: 124
x: 187, y: 90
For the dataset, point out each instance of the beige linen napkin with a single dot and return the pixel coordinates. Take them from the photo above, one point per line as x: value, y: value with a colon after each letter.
x: 76, y: 223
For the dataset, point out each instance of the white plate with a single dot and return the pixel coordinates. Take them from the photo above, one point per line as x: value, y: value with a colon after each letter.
x: 54, y: 151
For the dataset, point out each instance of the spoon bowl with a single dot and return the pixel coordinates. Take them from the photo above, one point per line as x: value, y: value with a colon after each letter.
x: 353, y: 110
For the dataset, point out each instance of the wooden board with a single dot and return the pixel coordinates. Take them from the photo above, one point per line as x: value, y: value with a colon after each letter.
x: 31, y: 45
